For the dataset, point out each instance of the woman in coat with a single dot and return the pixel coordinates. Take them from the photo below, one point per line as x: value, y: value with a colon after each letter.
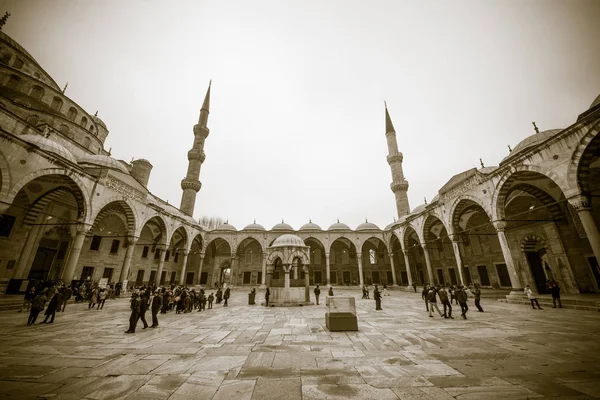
x: 53, y: 305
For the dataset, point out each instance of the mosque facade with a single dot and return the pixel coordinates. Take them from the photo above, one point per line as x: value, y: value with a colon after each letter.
x: 70, y: 211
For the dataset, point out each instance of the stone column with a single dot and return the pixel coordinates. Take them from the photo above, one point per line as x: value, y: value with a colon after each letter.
x: 360, y: 271
x: 286, y: 271
x: 459, y: 260
x: 391, y: 256
x: 269, y: 275
x: 184, y: 266
x: 73, y: 258
x: 264, y: 272
x: 306, y: 284
x: 200, y: 269
x: 408, y: 270
x: 428, y: 262
x: 28, y: 253
x: 232, y: 267
x: 327, y: 269
x: 515, y: 280
x: 161, y: 265
x: 128, y: 257
x: 583, y: 207
x: 295, y: 272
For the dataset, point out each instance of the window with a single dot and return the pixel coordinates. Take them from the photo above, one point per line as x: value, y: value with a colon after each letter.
x: 189, y: 278
x: 372, y: 257
x: 203, y: 278
x: 86, y: 142
x: 64, y: 129
x: 62, y: 250
x: 173, y: 277
x: 33, y: 120
x: 36, y: 92
x: 145, y: 252
x: 56, y: 104
x: 114, y: 248
x: 18, y: 64
x: 167, y: 255
x: 72, y: 114
x: 152, y: 277
x: 13, y: 82
x: 247, y: 276
x: 139, y: 279
x: 84, y: 122
x: 259, y: 278
x: 87, y: 273
x: 176, y: 257
x: 36, y: 75
x: 157, y: 254
x: 96, y: 240
x: 108, y: 273
x: 484, y: 279
x: 503, y: 275
x: 11, y: 264
x: 6, y: 224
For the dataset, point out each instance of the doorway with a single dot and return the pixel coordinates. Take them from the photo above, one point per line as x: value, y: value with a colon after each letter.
x: 534, y: 258
x: 225, y: 276
x: 346, y: 277
x: 44, y: 259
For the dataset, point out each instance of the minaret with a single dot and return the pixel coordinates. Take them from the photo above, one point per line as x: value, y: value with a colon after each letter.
x: 191, y: 183
x: 399, y: 184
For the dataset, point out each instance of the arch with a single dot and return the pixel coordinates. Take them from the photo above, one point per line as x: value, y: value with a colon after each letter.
x: 72, y: 181
x: 40, y: 204
x: 180, y: 230
x: 274, y: 255
x: 127, y: 208
x: 460, y: 204
x: 244, y: 237
x: 347, y: 241
x: 430, y: 221
x: 37, y: 92
x: 584, y: 153
x: 199, y: 241
x: 160, y: 222
x: 530, y: 242
x: 84, y: 121
x: 5, y: 178
x: 229, y: 243
x: 56, y: 103
x: 72, y: 113
x: 314, y: 239
x: 302, y: 255
x: 405, y: 235
x: 503, y: 188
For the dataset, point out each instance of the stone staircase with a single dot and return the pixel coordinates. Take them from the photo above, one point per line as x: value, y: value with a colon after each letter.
x: 11, y: 302
x: 578, y: 303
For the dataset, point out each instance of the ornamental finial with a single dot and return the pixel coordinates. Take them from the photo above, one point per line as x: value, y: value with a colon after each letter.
x: 4, y: 19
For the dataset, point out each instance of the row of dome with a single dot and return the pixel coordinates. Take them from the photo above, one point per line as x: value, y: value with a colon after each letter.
x: 338, y: 226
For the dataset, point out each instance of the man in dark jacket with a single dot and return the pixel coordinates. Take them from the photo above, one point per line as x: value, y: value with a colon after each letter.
x: 443, y: 294
x: 377, y: 297
x: 555, y: 291
x: 424, y: 295
x: 135, y: 312
x: 226, y: 296
x: 267, y: 295
x: 461, y: 297
x: 53, y: 305
x: 37, y: 305
x: 144, y: 307
x: 432, y: 300
x: 66, y: 296
x: 477, y: 294
x: 317, y: 293
x: 156, y: 304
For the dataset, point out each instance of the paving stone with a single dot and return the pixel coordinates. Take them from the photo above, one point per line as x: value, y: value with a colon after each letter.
x: 239, y: 390
x: 345, y: 391
x: 281, y: 389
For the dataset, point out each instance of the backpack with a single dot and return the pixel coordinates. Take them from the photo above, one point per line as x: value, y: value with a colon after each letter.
x: 430, y: 295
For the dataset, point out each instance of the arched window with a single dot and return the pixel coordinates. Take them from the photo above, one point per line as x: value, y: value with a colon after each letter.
x: 56, y: 104
x: 13, y: 82
x: 18, y: 63
x: 5, y: 58
x: 33, y: 120
x: 36, y: 75
x: 84, y: 122
x: 36, y: 92
x: 72, y: 114
x: 345, y: 257
x: 93, y: 130
x: 372, y: 257
x: 249, y: 257
x: 86, y: 141
x: 64, y: 129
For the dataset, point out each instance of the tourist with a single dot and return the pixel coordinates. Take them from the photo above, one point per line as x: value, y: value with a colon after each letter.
x: 226, y: 296
x: 317, y: 293
x: 101, y: 298
x: 202, y: 301
x: 66, y: 296
x: 424, y: 296
x: 157, y: 302
x: 365, y: 292
x: 211, y: 298
x: 267, y: 295
x: 461, y: 298
x: 143, y: 299
x: 29, y: 296
x: 385, y: 291
x: 330, y: 291
x: 93, y: 298
x: 443, y: 294
x: 532, y: 298
x: 477, y: 295
x: 453, y: 295
x: 135, y: 312
x: 219, y: 295
x: 54, y: 303
x: 555, y: 290
x: 432, y: 300
x: 37, y: 305
x: 377, y: 297
x: 414, y: 285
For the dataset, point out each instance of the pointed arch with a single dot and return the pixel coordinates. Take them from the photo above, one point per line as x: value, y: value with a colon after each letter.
x: 116, y: 204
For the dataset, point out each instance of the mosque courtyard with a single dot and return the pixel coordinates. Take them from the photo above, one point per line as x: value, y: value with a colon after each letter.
x: 253, y: 352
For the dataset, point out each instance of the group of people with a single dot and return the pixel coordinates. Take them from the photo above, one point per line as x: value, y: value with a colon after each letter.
x: 52, y: 297
x: 459, y: 294
x: 554, y: 289
x: 163, y: 300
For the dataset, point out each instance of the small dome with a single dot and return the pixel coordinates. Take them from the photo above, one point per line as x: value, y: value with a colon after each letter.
x: 339, y: 226
x: 418, y: 209
x: 226, y: 227
x: 282, y: 227
x: 254, y: 227
x: 141, y: 160
x: 99, y: 121
x: 596, y: 102
x: 49, y: 145
x: 310, y: 227
x: 367, y: 226
x: 100, y: 160
x: 532, y: 141
x: 288, y: 240
x: 389, y: 226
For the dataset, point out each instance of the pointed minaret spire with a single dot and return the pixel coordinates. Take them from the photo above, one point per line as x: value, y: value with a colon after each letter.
x: 191, y: 183
x: 399, y: 184
x: 4, y: 19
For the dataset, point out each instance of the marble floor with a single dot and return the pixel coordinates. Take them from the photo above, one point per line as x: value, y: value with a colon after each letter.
x: 252, y: 352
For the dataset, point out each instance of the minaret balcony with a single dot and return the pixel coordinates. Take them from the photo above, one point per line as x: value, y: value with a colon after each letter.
x: 395, y: 158
x: 196, y: 154
x: 200, y: 130
x: 399, y: 185
x: 190, y: 184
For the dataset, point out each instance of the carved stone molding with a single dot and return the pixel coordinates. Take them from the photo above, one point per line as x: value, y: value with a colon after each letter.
x: 121, y: 187
x: 581, y: 203
x: 500, y: 225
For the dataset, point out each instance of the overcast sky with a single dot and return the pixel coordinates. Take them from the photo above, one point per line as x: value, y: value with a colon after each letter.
x: 297, y: 127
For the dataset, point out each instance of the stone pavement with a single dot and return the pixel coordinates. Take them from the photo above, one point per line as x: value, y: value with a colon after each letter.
x: 253, y: 352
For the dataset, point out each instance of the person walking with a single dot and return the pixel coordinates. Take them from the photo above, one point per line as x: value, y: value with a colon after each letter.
x: 414, y: 285
x: 101, y: 299
x: 555, y: 290
x: 267, y: 295
x: 219, y: 295
x: 424, y: 293
x: 432, y: 300
x: 37, y: 305
x: 226, y: 296
x: 385, y: 291
x: 330, y: 291
x: 29, y: 296
x: 143, y: 308
x: 156, y: 305
x: 461, y: 298
x: 317, y: 293
x: 66, y: 296
x: 443, y: 295
x: 211, y: 298
x: 53, y: 305
x: 135, y: 312
x: 377, y: 297
x: 93, y: 298
x: 532, y: 297
x: 477, y: 295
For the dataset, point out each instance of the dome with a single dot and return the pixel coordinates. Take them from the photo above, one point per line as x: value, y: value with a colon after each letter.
x: 418, y: 209
x: 288, y: 240
x: 101, y: 160
x: 254, y: 227
x: 310, y: 227
x: 282, y: 227
x: 225, y: 227
x: 389, y: 226
x: 99, y: 121
x: 366, y: 226
x: 532, y: 141
x: 596, y: 102
x: 49, y: 145
x: 339, y: 226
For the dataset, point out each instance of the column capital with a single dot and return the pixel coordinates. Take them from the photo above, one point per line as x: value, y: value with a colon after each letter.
x: 185, y: 252
x: 581, y: 203
x: 131, y: 240
x: 455, y: 237
x: 405, y: 251
x: 83, y: 228
x: 270, y: 269
x: 500, y: 225
x: 424, y: 246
